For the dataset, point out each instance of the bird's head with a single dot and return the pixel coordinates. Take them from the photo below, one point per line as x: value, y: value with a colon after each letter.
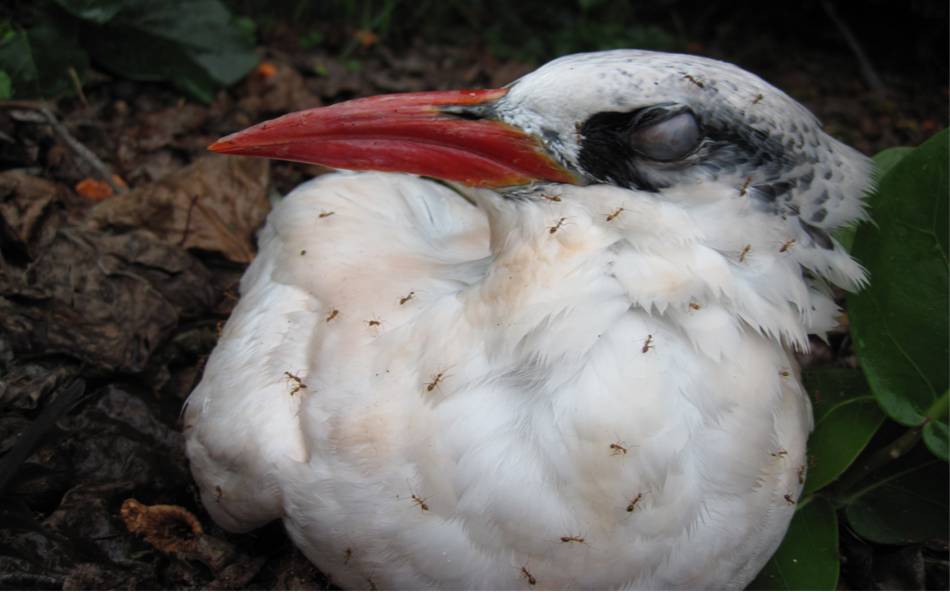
x: 681, y: 128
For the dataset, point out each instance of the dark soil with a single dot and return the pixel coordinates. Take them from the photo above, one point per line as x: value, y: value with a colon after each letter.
x: 109, y: 308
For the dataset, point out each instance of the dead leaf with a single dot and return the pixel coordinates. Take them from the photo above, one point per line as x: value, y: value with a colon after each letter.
x: 216, y: 204
x: 280, y: 91
x: 28, y: 211
x: 159, y: 128
x: 110, y: 300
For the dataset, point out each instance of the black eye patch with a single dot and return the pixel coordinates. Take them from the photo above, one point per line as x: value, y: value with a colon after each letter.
x: 613, y: 143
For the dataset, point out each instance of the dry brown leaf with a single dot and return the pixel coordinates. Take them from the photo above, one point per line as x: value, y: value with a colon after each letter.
x: 278, y: 88
x: 109, y: 300
x: 216, y: 204
x: 159, y: 128
x: 27, y: 209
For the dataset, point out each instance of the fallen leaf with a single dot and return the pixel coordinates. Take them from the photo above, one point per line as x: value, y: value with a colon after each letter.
x: 109, y: 300
x: 281, y: 90
x: 216, y: 204
x: 29, y: 212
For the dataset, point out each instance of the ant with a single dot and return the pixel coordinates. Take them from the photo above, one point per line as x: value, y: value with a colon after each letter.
x: 298, y: 383
x: 633, y: 503
x: 421, y: 502
x: 745, y: 251
x: 745, y: 186
x: 648, y: 344
x: 693, y: 80
x: 435, y: 382
x: 614, y: 214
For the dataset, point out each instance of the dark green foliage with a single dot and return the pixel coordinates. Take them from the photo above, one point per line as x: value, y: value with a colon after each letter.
x: 194, y: 44
x: 900, y: 320
x: 907, y: 504
x: 846, y: 417
x: 895, y: 493
x: 808, y: 557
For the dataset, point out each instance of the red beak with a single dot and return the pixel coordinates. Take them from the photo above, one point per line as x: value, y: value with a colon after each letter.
x: 437, y: 134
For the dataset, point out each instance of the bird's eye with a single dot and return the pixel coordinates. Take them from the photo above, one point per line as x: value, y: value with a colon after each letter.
x: 669, y: 139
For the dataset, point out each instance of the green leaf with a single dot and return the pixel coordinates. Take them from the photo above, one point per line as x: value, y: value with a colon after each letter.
x: 193, y: 43
x: 808, y: 557
x: 97, y: 11
x: 6, y: 90
x: 16, y: 58
x: 936, y: 436
x: 247, y: 27
x: 936, y: 432
x: 899, y: 323
x: 904, y: 507
x: 38, y: 60
x: 885, y: 160
x: 846, y: 417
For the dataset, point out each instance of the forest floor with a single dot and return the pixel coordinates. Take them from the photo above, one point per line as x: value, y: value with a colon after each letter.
x: 109, y: 305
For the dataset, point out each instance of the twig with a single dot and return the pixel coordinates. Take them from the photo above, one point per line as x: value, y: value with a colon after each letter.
x: 867, y: 70
x: 84, y: 153
x: 77, y: 85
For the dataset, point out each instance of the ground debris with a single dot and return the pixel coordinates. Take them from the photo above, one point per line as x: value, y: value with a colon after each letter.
x: 215, y: 204
x: 170, y: 529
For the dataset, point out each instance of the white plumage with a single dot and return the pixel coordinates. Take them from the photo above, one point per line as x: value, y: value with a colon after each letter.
x: 558, y: 386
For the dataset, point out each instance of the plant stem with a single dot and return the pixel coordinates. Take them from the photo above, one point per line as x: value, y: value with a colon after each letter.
x: 939, y: 408
x: 881, y: 457
x: 896, y: 449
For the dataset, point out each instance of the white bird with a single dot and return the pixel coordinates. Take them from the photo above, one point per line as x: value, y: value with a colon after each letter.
x: 569, y: 367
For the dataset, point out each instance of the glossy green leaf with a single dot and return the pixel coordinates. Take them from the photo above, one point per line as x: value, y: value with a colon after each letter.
x: 899, y: 323
x: 97, y: 11
x: 883, y: 162
x: 846, y: 417
x: 808, y: 557
x: 38, y: 60
x: 937, y: 438
x: 192, y: 43
x: 936, y: 432
x: 903, y: 507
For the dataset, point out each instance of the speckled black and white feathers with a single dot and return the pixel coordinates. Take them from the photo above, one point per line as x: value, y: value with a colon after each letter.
x: 754, y: 137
